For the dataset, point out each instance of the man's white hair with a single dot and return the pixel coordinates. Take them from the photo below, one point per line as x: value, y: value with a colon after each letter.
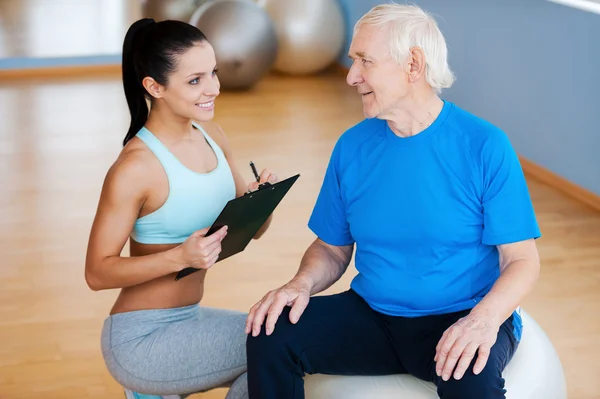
x: 410, y: 27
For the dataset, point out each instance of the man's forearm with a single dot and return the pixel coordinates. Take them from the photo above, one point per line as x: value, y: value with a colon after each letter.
x: 515, y: 282
x: 321, y: 266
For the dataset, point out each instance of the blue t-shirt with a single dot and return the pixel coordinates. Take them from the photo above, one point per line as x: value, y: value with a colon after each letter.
x: 426, y: 212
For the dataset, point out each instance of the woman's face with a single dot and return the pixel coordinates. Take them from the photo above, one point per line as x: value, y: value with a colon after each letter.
x: 192, y: 89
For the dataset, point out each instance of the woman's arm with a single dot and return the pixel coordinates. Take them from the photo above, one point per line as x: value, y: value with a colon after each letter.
x: 123, y: 194
x: 240, y: 184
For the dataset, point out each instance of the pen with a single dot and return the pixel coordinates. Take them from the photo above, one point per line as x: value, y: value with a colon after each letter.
x: 254, y: 171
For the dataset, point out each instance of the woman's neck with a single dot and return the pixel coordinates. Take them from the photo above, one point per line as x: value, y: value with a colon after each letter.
x: 169, y: 127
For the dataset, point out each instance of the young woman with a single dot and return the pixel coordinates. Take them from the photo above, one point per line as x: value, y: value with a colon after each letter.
x: 167, y: 186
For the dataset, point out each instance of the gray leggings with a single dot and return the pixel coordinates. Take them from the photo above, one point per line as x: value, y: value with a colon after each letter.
x: 177, y: 351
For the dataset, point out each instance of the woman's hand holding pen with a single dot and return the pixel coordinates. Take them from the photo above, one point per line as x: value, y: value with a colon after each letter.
x: 266, y: 176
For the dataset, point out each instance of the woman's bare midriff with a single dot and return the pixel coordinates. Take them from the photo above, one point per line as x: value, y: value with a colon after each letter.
x: 161, y: 293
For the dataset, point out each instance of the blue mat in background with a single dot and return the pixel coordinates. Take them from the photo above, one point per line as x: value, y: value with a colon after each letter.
x: 32, y: 63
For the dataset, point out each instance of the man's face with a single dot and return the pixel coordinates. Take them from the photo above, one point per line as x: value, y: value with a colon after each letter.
x: 381, y: 82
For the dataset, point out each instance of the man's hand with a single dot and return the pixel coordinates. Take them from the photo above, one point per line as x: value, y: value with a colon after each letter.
x: 296, y: 294
x: 472, y: 334
x: 478, y: 332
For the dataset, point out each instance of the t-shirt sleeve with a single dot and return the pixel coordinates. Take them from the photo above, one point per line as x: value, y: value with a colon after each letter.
x: 508, y: 214
x: 328, y: 219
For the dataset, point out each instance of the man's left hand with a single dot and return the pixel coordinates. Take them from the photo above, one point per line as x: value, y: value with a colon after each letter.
x: 472, y: 334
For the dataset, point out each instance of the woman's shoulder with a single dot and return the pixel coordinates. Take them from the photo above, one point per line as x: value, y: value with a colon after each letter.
x: 135, y: 157
x: 133, y: 168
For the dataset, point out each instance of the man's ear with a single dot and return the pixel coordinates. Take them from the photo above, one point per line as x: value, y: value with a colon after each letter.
x: 416, y: 64
x: 152, y: 87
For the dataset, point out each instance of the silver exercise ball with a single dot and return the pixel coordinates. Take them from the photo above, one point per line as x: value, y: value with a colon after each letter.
x: 310, y: 33
x: 160, y: 10
x: 243, y: 38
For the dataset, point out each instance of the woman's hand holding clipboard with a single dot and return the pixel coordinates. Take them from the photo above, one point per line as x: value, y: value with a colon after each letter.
x: 201, y: 249
x: 243, y: 216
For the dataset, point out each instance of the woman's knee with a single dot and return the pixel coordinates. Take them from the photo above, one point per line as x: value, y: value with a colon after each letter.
x: 239, y: 388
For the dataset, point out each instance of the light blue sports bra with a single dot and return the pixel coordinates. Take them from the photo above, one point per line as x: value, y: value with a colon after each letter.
x: 195, y: 199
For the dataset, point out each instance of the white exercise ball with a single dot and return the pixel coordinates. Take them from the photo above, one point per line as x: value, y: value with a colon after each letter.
x: 310, y: 34
x: 243, y: 38
x: 160, y: 10
x: 535, y: 372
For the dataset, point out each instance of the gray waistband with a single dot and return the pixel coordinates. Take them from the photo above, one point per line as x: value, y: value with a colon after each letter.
x: 128, y: 326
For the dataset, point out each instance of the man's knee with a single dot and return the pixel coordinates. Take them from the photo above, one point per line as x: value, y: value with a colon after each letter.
x: 266, y: 345
x: 489, y: 384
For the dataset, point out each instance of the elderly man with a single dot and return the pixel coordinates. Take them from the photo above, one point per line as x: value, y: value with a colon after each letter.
x: 436, y: 202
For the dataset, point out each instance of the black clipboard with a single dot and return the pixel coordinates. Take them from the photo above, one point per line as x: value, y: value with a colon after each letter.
x: 244, y: 216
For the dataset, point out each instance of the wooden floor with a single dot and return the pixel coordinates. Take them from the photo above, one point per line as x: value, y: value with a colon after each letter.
x: 57, y: 139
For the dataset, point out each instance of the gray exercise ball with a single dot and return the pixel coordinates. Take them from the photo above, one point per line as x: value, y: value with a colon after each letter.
x: 310, y: 33
x: 243, y: 37
x: 179, y: 10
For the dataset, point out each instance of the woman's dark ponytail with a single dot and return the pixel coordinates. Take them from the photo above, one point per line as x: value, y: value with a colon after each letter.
x: 135, y: 93
x: 152, y: 49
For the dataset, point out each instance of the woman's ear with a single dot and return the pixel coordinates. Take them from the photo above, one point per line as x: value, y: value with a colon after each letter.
x: 152, y: 87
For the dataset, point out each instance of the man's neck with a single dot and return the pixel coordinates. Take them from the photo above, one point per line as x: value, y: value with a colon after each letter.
x: 414, y: 117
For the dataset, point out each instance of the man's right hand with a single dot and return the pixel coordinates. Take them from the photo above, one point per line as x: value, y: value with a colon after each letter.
x: 296, y: 294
